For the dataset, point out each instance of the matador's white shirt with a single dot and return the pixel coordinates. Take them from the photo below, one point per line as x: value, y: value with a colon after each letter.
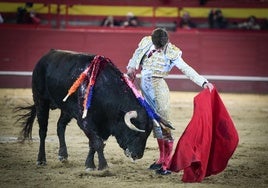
x: 160, y: 63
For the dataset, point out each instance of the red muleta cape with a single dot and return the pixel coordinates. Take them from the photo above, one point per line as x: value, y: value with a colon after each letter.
x: 208, y: 141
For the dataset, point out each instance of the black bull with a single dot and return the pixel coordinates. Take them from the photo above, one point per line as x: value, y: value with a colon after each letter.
x: 53, y: 75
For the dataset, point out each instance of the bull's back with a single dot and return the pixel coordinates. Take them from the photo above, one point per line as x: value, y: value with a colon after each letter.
x: 56, y: 72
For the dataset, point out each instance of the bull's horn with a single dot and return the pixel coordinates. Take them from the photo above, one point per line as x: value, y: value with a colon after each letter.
x: 127, y: 117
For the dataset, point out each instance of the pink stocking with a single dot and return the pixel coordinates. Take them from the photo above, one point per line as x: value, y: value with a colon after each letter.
x: 161, y: 148
x: 168, y: 144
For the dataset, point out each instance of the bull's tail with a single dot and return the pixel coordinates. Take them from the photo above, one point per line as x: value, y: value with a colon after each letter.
x: 26, y: 120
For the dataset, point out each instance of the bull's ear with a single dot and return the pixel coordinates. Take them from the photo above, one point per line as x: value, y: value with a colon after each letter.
x: 120, y: 115
x: 128, y: 116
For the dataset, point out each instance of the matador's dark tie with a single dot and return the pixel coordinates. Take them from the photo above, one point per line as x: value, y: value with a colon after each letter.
x: 151, y: 53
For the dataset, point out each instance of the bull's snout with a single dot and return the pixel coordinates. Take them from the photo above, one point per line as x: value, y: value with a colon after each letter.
x: 132, y: 155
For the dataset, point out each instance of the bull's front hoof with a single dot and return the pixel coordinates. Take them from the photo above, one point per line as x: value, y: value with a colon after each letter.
x: 62, y: 159
x: 90, y: 169
x: 41, y: 163
x: 103, y: 167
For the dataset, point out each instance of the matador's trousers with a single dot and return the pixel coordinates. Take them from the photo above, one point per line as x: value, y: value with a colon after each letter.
x: 156, y: 93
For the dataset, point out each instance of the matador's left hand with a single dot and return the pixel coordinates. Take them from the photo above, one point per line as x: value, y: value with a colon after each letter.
x: 131, y: 72
x: 209, y: 86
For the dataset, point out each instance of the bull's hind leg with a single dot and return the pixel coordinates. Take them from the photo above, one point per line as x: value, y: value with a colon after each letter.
x: 42, y: 109
x: 61, y: 127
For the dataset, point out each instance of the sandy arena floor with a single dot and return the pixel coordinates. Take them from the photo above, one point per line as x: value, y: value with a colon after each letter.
x: 247, y: 168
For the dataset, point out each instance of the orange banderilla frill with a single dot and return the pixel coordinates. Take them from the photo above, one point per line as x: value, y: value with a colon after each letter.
x: 92, y: 70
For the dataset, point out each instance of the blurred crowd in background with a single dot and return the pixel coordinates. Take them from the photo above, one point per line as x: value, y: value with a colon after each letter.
x: 215, y: 20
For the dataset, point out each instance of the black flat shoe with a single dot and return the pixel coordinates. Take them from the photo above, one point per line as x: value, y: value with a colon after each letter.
x: 155, y: 166
x: 163, y: 172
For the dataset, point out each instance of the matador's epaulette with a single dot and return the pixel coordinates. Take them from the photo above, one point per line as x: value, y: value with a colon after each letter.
x: 172, y: 52
x: 145, y: 42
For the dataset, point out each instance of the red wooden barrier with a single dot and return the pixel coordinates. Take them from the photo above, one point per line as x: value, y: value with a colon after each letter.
x: 236, y: 61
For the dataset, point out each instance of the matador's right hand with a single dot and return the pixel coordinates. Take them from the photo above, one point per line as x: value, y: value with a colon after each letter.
x: 131, y: 72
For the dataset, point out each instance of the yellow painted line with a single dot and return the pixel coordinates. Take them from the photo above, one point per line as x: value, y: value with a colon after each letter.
x: 140, y: 11
x: 196, y: 12
x: 10, y: 7
x: 246, y: 12
x: 37, y: 7
x: 166, y: 12
x: 109, y: 10
x: 228, y: 12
